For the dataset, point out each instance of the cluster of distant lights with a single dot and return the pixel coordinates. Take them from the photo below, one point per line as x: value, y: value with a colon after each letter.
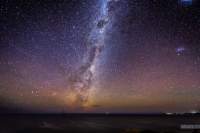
x: 180, y: 113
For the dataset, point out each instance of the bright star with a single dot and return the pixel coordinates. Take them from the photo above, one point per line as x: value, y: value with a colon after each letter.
x: 186, y: 2
x: 180, y: 50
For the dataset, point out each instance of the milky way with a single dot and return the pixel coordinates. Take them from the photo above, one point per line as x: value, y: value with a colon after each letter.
x: 99, y: 56
x: 82, y: 79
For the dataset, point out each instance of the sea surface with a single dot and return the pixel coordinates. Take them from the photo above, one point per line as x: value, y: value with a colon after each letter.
x: 98, y: 123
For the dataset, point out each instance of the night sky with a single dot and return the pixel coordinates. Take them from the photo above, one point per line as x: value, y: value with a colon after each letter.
x: 99, y: 56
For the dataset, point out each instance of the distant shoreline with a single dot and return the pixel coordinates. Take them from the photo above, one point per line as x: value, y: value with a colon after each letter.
x: 96, y: 114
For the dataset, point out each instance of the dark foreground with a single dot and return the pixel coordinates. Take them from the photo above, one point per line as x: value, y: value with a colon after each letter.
x: 97, y: 123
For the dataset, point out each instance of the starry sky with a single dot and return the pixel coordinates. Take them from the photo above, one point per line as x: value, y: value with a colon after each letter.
x: 99, y: 56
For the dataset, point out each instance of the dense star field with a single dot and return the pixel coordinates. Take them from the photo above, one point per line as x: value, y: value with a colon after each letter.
x: 99, y: 56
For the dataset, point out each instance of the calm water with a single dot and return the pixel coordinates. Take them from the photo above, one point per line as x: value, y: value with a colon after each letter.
x: 95, y: 123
